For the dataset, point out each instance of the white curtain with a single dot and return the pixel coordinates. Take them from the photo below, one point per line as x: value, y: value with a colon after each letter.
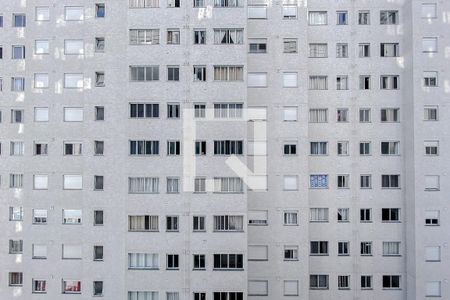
x: 318, y: 82
x: 391, y: 248
x: 318, y: 17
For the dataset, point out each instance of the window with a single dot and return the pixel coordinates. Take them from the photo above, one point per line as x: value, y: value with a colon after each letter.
x: 318, y: 214
x: 172, y: 261
x: 228, y: 261
x: 432, y: 253
x: 289, y: 45
x: 430, y: 113
x: 198, y: 223
x: 341, y: 50
x: 143, y: 223
x: 390, y: 148
x: 143, y: 4
x: 389, y: 50
x: 364, y: 148
x: 199, y: 262
x: 144, y: 36
x: 143, y: 185
x: 71, y: 287
x: 429, y: 44
x: 391, y: 248
x: 39, y: 286
x: 17, y: 148
x: 144, y: 110
x: 389, y: 82
x: 290, y: 79
x: 228, y: 295
x: 18, y: 52
x: 17, y: 84
x: 71, y: 216
x: 144, y: 147
x: 227, y: 3
x: 98, y: 253
x: 15, y: 246
x: 289, y: 12
x: 318, y: 181
x: 200, y: 185
x: 199, y: 111
x: 228, y: 147
x: 431, y: 148
x: 429, y: 11
x: 290, y: 148
x: 73, y: 47
x: 73, y: 13
x: 40, y: 80
x: 342, y: 115
x: 318, y: 50
x: 15, y: 279
x: 290, y: 113
x: 99, y: 113
x: 1, y: 21
x: 143, y: 261
x: 258, y: 287
x: 172, y: 223
x: 318, y: 82
x: 366, y: 282
x: 390, y: 181
x: 318, y: 115
x: 199, y: 34
x: 390, y: 215
x: 98, y: 217
x: 228, y: 185
x: 391, y: 282
x: 99, y: 44
x: 317, y: 18
x: 342, y: 18
x: 98, y: 183
x: 40, y: 182
x: 228, y: 223
x: 39, y: 216
x: 364, y: 115
x: 343, y: 282
x: 433, y: 289
x: 343, y: 215
x: 16, y: 213
x: 173, y: 3
x: 73, y: 81
x: 432, y: 218
x: 199, y: 73
x: 41, y: 114
x: 228, y: 73
x: 39, y: 251
x: 363, y: 17
x: 71, y: 251
x: 343, y: 181
x: 19, y: 20
x: 16, y: 181
x: 366, y: 248
x: 365, y: 215
x: 388, y: 17
x: 17, y: 115
x: 147, y: 73
x: 257, y: 79
x: 290, y: 288
x: 72, y: 148
x: 99, y: 79
x: 142, y: 295
x: 432, y: 183
x: 228, y: 36
x: 173, y: 36
x: 343, y: 248
x: 1, y: 52
x: 100, y: 10
x: 42, y: 13
x: 173, y: 111
x: 390, y: 115
x: 257, y: 11
x: 290, y: 182
x: 364, y: 50
x: 366, y: 181
x: 318, y: 282
x: 364, y: 82
x: 173, y: 147
x: 99, y: 147
x: 258, y: 252
x: 430, y: 79
x: 98, y: 288
x: 319, y: 248
x: 290, y: 253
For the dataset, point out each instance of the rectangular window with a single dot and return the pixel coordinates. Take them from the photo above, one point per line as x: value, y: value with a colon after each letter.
x: 257, y: 252
x: 290, y: 253
x: 289, y: 12
x: 16, y: 181
x: 258, y: 287
x: 41, y: 114
x: 431, y: 147
x: 228, y: 36
x: 318, y: 50
x: 199, y: 34
x: 366, y: 248
x: 199, y: 73
x: 15, y: 278
x: 366, y: 181
x: 144, y: 110
x: 390, y: 214
x: 388, y: 17
x: 430, y: 79
x: 99, y: 147
x: 343, y: 248
x: 341, y: 18
x: 430, y: 113
x: 391, y: 281
x: 364, y: 115
x: 341, y: 50
x: 73, y: 148
x: 40, y: 80
x: 173, y: 185
x: 40, y: 182
x: 74, y: 47
x: 364, y: 50
x: 173, y: 262
x: 144, y: 73
x: 39, y: 251
x: 228, y: 223
x: 71, y: 251
x: 98, y: 217
x: 257, y: 80
x: 390, y: 181
x: 390, y: 148
x: 318, y: 282
x: 15, y: 246
x: 72, y: 216
x: 42, y: 13
x: 39, y: 286
x: 71, y: 287
x: 98, y: 288
x: 173, y: 3
x: 142, y: 295
x: 391, y: 248
x: 228, y: 185
x: 319, y: 148
x: 228, y: 73
x: 17, y: 115
x: 318, y: 115
x: 173, y: 147
x: 364, y: 82
x: 173, y: 36
x: 227, y: 3
x: 144, y: 36
x: 432, y: 182
x: 365, y: 215
x: 319, y: 248
x: 143, y: 4
x: 19, y: 20
x: 389, y: 82
x: 173, y: 73
x: 342, y: 115
x: 39, y: 216
x: 257, y: 217
x: 318, y: 214
x: 257, y: 11
x: 144, y: 147
x: 199, y: 262
x: 389, y: 50
x: 73, y: 13
x: 289, y: 45
x: 199, y: 223
x: 364, y: 148
x: 366, y: 282
x: 143, y: 223
x: 290, y: 79
x: 16, y: 213
x: 433, y: 289
x: 343, y: 215
x: 228, y: 261
x: 432, y: 218
x: 290, y: 148
x: 17, y: 84
x: 343, y: 181
x: 228, y: 147
x: 290, y: 182
x: 98, y: 183
x: 143, y: 185
x: 433, y: 253
x: 290, y: 218
x: 390, y: 115
x: 363, y: 17
x: 200, y: 185
x: 18, y: 52
x: 99, y: 44
x: 317, y: 18
x: 199, y: 111
x: 429, y: 44
x: 343, y: 282
x: 73, y: 80
x: 429, y: 10
x: 318, y: 82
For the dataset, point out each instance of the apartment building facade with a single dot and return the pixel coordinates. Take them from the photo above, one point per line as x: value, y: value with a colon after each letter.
x: 224, y: 149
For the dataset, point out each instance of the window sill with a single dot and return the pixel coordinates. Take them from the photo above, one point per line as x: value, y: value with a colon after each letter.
x: 227, y: 270
x: 143, y: 269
